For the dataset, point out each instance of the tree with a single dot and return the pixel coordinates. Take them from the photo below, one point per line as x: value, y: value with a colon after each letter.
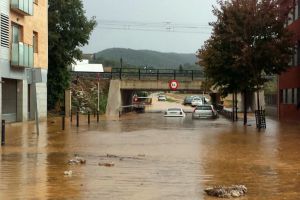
x: 69, y: 29
x: 248, y: 42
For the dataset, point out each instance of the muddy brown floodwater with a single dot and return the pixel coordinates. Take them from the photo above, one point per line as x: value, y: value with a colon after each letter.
x: 156, y: 158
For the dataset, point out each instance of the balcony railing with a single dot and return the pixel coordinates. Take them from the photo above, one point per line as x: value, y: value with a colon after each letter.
x: 24, y: 7
x: 21, y: 55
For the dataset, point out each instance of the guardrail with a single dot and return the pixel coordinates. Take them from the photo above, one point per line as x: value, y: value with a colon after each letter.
x: 131, y: 108
x: 144, y: 74
x: 226, y: 113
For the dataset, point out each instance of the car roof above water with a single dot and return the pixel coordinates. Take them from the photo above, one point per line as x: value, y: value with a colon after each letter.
x: 204, y: 107
x: 174, y: 109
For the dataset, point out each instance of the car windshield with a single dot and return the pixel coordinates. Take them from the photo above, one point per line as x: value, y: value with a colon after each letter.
x: 203, y: 108
x: 174, y: 109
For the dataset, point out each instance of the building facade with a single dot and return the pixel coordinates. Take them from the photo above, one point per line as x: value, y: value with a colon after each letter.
x: 289, y: 82
x: 23, y: 55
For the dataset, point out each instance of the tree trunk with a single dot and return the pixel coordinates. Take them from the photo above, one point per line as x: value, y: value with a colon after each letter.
x: 233, y: 106
x: 245, y: 107
x: 258, y: 125
x: 258, y: 104
x: 236, y: 107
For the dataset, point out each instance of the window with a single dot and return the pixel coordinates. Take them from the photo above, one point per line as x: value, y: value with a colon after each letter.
x: 16, y: 33
x: 293, y: 96
x: 298, y: 53
x: 291, y: 16
x: 284, y: 96
x: 298, y: 9
x: 35, y: 42
x: 298, y: 95
x: 289, y: 96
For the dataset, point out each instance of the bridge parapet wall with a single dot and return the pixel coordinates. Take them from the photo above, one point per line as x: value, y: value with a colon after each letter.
x: 159, y: 85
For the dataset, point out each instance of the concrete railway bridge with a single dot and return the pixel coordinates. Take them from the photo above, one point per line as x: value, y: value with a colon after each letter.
x: 124, y: 83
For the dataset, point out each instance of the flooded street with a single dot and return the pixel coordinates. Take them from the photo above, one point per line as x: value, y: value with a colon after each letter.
x: 154, y: 158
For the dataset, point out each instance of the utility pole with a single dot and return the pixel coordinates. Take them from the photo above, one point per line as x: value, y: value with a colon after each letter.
x: 121, y: 62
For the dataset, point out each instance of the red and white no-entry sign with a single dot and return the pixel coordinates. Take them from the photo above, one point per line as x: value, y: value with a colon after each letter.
x: 173, y: 84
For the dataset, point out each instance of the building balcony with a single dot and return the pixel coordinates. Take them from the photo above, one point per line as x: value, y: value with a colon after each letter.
x: 22, y: 55
x: 24, y: 7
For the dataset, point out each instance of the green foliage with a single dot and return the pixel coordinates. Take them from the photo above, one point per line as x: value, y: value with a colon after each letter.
x: 248, y: 42
x: 69, y: 29
x: 270, y: 87
x: 141, y: 58
x: 85, y: 95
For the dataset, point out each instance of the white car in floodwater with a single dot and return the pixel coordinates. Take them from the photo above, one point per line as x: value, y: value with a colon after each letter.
x: 205, y: 111
x: 197, y: 101
x: 162, y: 98
x: 174, y: 112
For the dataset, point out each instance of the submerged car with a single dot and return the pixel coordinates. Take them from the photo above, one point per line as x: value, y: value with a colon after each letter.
x: 174, y: 112
x: 188, y: 100
x: 162, y: 98
x: 205, y: 111
x: 197, y: 101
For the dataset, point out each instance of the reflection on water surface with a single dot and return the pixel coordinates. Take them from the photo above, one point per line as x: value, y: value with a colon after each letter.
x: 162, y: 158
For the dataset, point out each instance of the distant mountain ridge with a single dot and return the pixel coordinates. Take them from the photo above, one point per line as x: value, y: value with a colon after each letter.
x: 142, y: 58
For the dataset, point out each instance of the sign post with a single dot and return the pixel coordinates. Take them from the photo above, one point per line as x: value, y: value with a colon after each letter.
x: 98, y: 84
x: 36, y: 77
x: 173, y: 85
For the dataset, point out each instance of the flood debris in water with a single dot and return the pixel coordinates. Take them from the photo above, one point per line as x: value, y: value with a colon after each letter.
x: 68, y: 173
x: 226, y: 192
x: 77, y: 160
x: 107, y: 164
x: 138, y: 157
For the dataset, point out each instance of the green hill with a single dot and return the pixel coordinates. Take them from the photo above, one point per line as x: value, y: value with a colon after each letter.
x: 142, y: 58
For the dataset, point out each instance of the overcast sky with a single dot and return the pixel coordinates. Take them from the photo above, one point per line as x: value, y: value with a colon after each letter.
x: 161, y: 25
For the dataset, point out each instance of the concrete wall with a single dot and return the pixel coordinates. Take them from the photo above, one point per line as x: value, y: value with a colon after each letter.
x: 4, y: 53
x: 41, y: 89
x: 68, y: 103
x: 114, y: 98
x: 251, y: 101
x: 0, y: 104
x: 159, y: 85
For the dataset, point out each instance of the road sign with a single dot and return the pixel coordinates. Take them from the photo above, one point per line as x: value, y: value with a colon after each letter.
x: 173, y: 84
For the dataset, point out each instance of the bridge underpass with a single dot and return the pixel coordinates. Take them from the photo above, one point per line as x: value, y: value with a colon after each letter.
x: 122, y: 91
x: 125, y: 82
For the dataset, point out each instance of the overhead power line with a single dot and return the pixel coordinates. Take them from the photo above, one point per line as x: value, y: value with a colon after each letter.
x: 154, y: 26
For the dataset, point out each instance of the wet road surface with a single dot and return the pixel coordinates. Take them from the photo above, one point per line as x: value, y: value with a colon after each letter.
x: 157, y: 158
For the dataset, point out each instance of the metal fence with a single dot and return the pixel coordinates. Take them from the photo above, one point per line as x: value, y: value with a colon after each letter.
x: 144, y: 74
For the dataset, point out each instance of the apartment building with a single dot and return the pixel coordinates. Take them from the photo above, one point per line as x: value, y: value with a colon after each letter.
x: 289, y: 82
x: 23, y: 55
